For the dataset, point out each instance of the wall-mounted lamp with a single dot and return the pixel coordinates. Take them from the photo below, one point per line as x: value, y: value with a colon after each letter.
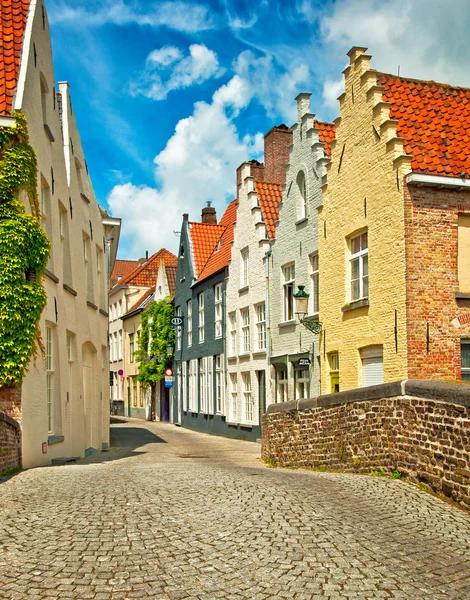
x: 301, y: 309
x: 169, y: 349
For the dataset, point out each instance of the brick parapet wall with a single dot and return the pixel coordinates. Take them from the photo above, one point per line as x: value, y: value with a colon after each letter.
x: 421, y: 428
x: 10, y: 443
x: 10, y: 401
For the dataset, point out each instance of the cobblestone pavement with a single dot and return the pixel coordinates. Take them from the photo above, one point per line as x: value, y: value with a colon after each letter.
x: 169, y: 513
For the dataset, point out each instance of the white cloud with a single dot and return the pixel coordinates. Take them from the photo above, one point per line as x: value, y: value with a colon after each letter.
x: 198, y: 164
x: 331, y: 91
x: 428, y: 39
x: 177, y: 15
x: 166, y: 69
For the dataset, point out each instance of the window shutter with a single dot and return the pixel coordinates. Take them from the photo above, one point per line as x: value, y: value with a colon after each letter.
x: 372, y: 366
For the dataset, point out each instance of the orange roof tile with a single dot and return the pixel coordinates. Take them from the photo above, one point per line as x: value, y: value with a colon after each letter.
x: 327, y: 134
x: 123, y: 267
x: 269, y: 195
x: 222, y: 252
x: 171, y: 277
x: 204, y: 237
x: 12, y: 28
x: 434, y: 120
x: 145, y: 275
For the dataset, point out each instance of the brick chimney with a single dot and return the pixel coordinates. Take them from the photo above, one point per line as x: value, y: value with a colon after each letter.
x: 208, y: 214
x: 276, y: 153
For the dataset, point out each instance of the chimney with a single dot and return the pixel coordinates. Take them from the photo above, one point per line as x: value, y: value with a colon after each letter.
x: 303, y: 105
x: 276, y: 154
x: 208, y: 214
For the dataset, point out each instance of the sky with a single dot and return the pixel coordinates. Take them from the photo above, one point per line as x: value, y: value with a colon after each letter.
x: 172, y: 96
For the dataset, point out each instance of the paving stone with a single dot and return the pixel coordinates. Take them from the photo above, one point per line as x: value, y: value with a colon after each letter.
x: 145, y: 521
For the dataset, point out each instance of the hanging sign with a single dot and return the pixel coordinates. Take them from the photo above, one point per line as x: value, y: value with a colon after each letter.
x: 176, y: 321
x: 304, y: 362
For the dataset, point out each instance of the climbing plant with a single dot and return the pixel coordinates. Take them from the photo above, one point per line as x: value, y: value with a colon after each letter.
x: 156, y: 333
x: 24, y: 250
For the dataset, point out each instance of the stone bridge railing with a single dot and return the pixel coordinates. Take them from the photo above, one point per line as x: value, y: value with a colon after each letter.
x: 420, y: 428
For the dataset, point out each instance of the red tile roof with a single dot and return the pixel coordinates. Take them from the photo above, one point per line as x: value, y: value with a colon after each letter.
x: 12, y: 28
x: 327, y: 135
x: 146, y: 274
x: 434, y: 120
x: 123, y: 267
x: 269, y: 196
x: 171, y: 277
x: 222, y: 252
x: 204, y: 237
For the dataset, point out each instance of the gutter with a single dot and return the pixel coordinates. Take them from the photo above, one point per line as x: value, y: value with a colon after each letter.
x: 7, y: 121
x: 439, y: 181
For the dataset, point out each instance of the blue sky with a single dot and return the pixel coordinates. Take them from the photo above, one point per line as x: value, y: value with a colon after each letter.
x: 170, y: 97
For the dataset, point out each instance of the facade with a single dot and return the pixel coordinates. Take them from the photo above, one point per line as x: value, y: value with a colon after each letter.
x: 295, y: 351
x: 64, y: 409
x: 394, y: 232
x: 204, y: 254
x: 153, y: 404
x: 259, y: 193
x: 125, y: 297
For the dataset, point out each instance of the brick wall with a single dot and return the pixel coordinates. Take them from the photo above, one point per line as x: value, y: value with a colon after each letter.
x: 431, y: 230
x: 10, y: 443
x: 421, y: 428
x: 276, y: 153
x: 10, y: 401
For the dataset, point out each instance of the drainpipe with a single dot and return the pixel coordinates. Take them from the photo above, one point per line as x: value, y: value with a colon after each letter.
x: 268, y: 318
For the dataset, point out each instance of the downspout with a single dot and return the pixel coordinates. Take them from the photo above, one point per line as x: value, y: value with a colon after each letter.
x: 268, y: 321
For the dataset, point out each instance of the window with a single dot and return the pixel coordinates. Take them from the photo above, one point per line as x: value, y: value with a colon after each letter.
x: 184, y: 385
x: 116, y: 353
x: 46, y: 217
x: 44, y: 98
x: 302, y: 379
x: 69, y: 347
x: 359, y: 267
x: 190, y: 322
x: 50, y: 378
x: 202, y: 385
x: 149, y: 341
x: 261, y: 326
x: 314, y: 287
x: 233, y: 334
x: 464, y: 253
x: 245, y: 317
x: 302, y: 191
x: 192, y: 390
x: 200, y: 303
x: 288, y: 277
x: 218, y: 310
x: 178, y: 330
x: 282, y: 385
x: 134, y: 391
x: 111, y: 354
x: 85, y: 248
x: 120, y: 344
x: 120, y: 308
x: 234, y: 396
x: 333, y: 361
x: 372, y: 365
x: 141, y: 397
x: 210, y: 385
x: 131, y: 347
x: 244, y: 268
x: 465, y: 359
x: 219, y: 384
x: 247, y: 398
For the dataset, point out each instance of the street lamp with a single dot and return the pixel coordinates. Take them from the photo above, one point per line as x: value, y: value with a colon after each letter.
x: 301, y: 309
x: 169, y: 349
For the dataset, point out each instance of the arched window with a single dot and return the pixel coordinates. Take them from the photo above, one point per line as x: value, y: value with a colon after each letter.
x: 302, y: 189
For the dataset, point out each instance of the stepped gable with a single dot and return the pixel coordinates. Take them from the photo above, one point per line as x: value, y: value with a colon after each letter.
x: 222, y: 253
x: 327, y: 135
x: 434, y: 120
x: 204, y: 238
x: 269, y: 196
x: 12, y: 27
x: 145, y: 275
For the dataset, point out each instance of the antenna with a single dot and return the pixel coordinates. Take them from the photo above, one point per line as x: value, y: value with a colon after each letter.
x: 177, y: 233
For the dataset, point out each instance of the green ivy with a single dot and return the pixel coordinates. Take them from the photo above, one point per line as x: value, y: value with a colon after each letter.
x: 156, y: 327
x: 23, y: 247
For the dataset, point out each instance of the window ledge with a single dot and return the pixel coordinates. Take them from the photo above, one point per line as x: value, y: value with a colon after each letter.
x: 231, y: 358
x: 55, y: 439
x: 69, y: 289
x: 259, y: 353
x: 462, y: 295
x: 246, y: 425
x: 91, y: 305
x: 52, y: 276
x: 356, y: 304
x: 244, y: 289
x: 85, y: 197
x: 301, y: 221
x: 48, y: 131
x: 287, y: 323
x: 244, y: 355
x: 103, y: 312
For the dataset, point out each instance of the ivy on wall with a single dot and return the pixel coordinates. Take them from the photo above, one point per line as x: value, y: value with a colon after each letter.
x: 155, y: 334
x: 24, y: 249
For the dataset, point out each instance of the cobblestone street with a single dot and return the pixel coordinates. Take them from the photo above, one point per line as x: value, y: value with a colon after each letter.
x: 169, y: 513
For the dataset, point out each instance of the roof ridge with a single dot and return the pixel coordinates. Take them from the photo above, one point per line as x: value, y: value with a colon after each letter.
x: 437, y: 83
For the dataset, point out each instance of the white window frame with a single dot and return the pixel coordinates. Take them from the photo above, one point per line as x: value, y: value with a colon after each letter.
x: 247, y: 398
x: 219, y: 384
x: 233, y: 333
x: 361, y: 258
x: 314, y: 284
x: 200, y: 304
x: 210, y: 385
x: 192, y: 386
x: 202, y: 385
x: 189, y: 305
x: 178, y: 330
x: 464, y: 371
x: 302, y: 381
x: 116, y: 353
x: 120, y: 344
x: 245, y: 329
x: 131, y: 347
x: 244, y: 268
x: 260, y: 310
x: 218, y: 310
x: 185, y: 383
x: 282, y: 385
x: 234, y: 396
x: 288, y: 288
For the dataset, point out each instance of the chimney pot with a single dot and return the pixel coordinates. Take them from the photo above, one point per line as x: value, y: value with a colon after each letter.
x: 208, y: 214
